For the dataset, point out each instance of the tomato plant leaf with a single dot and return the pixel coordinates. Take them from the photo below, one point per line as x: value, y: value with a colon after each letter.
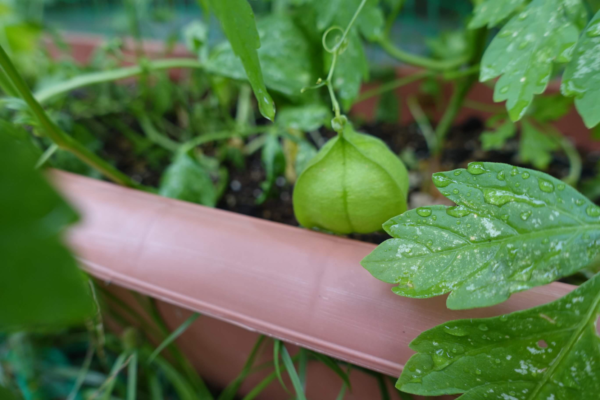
x: 582, y: 76
x: 496, y: 140
x: 237, y: 21
x: 286, y: 56
x: 40, y: 283
x: 186, y: 179
x: 492, y: 12
x: 524, y: 51
x: 547, y: 352
x: 512, y: 229
x: 536, y: 147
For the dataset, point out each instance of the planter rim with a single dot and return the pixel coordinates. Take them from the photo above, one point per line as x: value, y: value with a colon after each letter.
x: 300, y: 286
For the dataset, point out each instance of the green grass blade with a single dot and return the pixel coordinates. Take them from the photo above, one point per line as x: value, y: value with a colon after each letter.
x: 276, y: 350
x: 332, y: 365
x: 264, y: 383
x: 184, y: 390
x: 231, y: 389
x: 287, y: 360
x: 345, y: 386
x: 82, y: 373
x: 154, y: 386
x: 383, y: 390
x: 132, y: 377
x: 302, y: 365
x: 108, y: 385
x: 171, y: 338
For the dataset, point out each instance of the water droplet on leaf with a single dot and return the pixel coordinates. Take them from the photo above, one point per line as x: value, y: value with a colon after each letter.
x: 476, y: 168
x: 424, y: 212
x: 525, y: 215
x: 545, y: 186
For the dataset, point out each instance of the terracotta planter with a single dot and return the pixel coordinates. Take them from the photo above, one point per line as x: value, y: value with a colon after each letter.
x: 249, y: 275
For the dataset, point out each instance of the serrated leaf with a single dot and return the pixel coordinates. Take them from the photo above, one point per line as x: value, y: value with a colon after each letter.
x: 551, y: 352
x: 524, y: 51
x: 185, y: 179
x: 237, y: 21
x: 512, y: 229
x: 536, y: 147
x: 40, y: 283
x: 492, y: 12
x: 496, y: 140
x: 286, y: 56
x: 582, y: 76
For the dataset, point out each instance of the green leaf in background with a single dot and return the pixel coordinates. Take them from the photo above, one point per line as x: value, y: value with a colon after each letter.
x: 186, y: 179
x: 40, y: 283
x: 305, y: 118
x: 286, y: 57
x: 237, y: 21
x: 492, y: 12
x: 536, y: 147
x: 512, y: 229
x: 306, y: 152
x: 352, y: 65
x: 524, y: 51
x: 352, y: 68
x: 582, y: 76
x: 550, y: 108
x: 551, y: 352
x: 496, y: 140
x: 388, y: 108
x: 274, y: 162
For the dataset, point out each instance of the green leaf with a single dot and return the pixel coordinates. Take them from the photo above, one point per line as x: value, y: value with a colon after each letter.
x: 513, y: 229
x: 306, y: 118
x: 547, y: 352
x: 273, y: 160
x: 237, y: 20
x: 286, y: 56
x: 306, y: 152
x: 173, y: 336
x: 536, y: 147
x: 492, y: 12
x: 185, y: 179
x: 277, y: 346
x: 40, y: 283
x: 352, y: 68
x: 496, y: 140
x: 582, y: 76
x: 291, y: 370
x: 524, y: 51
x: 550, y: 108
x: 388, y: 108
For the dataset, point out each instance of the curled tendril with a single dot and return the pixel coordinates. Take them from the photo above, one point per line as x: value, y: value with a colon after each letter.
x: 340, y: 46
x: 320, y: 83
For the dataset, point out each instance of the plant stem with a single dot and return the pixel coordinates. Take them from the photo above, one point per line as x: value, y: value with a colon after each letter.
x: 424, y: 124
x: 7, y: 86
x: 420, y: 61
x: 398, y: 83
x: 574, y: 161
x: 460, y: 92
x: 389, y: 23
x: 60, y: 138
x: 114, y: 75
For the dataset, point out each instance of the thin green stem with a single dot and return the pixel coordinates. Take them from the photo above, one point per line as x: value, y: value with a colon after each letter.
x: 389, y: 23
x: 398, y: 83
x: 55, y: 134
x: 574, y: 161
x: 461, y: 91
x: 211, y: 137
x: 114, y: 75
x: 421, y: 119
x: 420, y: 61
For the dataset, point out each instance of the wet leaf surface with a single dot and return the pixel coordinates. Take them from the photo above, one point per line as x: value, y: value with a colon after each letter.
x: 512, y: 229
x: 551, y: 352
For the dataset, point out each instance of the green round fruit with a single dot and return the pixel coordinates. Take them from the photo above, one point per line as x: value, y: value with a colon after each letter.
x: 354, y: 184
